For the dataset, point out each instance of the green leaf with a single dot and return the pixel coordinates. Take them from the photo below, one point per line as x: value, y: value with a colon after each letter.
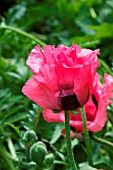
x: 57, y: 133
x: 60, y: 162
x: 16, y: 129
x: 74, y: 112
x: 87, y: 167
x: 56, y: 111
x: 17, y: 117
x: 105, y: 67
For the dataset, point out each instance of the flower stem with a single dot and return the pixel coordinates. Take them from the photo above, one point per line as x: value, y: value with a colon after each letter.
x: 87, y: 138
x: 23, y: 33
x: 36, y: 119
x: 68, y: 140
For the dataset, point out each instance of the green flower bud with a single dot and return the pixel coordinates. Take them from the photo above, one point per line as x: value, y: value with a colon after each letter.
x: 48, y: 161
x: 29, y: 138
x: 38, y: 152
x: 41, y: 143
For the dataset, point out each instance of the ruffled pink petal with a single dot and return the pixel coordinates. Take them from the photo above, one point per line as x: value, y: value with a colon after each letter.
x: 81, y: 86
x: 90, y: 109
x: 100, y: 118
x: 82, y: 94
x: 87, y: 54
x: 64, y: 60
x: 68, y: 75
x: 76, y: 47
x: 35, y: 59
x: 67, y: 56
x: 49, y: 116
x: 49, y: 53
x: 97, y: 84
x: 40, y: 93
x: 107, y: 91
x: 95, y: 125
x: 77, y: 125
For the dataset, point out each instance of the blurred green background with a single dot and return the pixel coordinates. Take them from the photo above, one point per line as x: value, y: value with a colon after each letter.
x: 25, y: 23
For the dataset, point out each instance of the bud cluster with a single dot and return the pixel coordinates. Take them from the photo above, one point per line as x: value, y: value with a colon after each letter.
x: 36, y: 151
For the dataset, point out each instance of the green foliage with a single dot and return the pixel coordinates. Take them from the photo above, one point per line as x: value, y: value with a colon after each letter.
x: 23, y: 24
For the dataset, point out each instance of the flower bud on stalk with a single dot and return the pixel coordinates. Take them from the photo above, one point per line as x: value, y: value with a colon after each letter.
x: 48, y: 161
x: 29, y: 138
x: 38, y: 152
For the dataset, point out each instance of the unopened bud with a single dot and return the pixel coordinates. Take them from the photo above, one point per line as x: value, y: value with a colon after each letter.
x: 48, y: 161
x: 29, y: 137
x: 38, y: 152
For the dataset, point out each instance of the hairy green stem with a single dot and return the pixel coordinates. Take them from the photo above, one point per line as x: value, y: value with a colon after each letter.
x: 68, y: 140
x: 23, y: 33
x: 87, y: 138
x: 4, y: 154
x: 36, y: 119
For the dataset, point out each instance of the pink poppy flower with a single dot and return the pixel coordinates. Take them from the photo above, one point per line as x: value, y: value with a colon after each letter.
x: 62, y: 76
x: 95, y: 108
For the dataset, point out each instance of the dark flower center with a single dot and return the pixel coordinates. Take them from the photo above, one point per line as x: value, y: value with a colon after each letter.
x: 70, y: 102
x: 68, y: 99
x: 94, y: 100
